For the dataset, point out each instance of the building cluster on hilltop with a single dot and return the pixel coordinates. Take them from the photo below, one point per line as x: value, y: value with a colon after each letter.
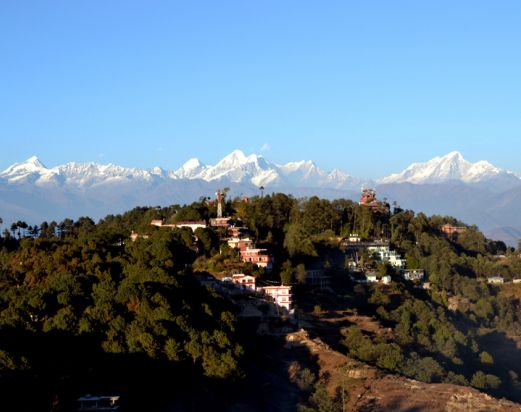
x: 237, y: 237
x: 364, y: 256
x: 242, y: 284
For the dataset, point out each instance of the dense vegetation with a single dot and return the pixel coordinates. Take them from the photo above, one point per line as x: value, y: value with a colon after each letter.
x: 79, y: 298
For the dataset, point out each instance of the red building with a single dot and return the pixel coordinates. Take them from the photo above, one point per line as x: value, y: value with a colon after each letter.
x: 258, y: 257
x: 449, y: 230
x: 238, y: 231
x: 368, y: 199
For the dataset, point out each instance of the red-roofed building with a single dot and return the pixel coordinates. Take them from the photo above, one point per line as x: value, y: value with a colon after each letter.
x: 368, y: 199
x: 258, y: 257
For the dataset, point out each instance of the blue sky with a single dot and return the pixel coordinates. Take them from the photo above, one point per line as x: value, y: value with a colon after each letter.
x: 365, y: 86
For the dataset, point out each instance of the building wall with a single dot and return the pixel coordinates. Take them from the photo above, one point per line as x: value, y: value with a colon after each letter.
x: 281, y: 295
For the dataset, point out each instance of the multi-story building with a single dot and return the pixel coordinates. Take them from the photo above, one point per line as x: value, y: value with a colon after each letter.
x: 238, y: 231
x: 281, y: 295
x: 239, y: 243
x: 244, y: 281
x: 258, y: 257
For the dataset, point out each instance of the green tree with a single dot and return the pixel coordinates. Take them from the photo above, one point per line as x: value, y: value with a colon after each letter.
x: 286, y: 273
x: 486, y: 358
x: 298, y: 242
x: 482, y: 380
x: 300, y: 273
x: 320, y: 401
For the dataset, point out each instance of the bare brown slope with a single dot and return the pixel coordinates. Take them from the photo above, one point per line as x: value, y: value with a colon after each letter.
x: 368, y: 389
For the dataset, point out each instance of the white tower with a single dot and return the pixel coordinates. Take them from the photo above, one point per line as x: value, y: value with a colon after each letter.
x: 219, y: 195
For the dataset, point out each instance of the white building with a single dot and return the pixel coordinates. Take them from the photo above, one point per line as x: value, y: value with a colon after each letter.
x: 220, y: 222
x: 240, y: 243
x: 192, y: 224
x: 386, y: 279
x: 354, y: 238
x: 495, y: 280
x: 371, y: 278
x: 244, y: 281
x: 196, y: 224
x: 384, y: 254
x: 281, y: 295
x: 413, y: 274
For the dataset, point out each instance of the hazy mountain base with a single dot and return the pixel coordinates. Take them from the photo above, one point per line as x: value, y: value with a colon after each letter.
x: 37, y: 204
x: 496, y: 214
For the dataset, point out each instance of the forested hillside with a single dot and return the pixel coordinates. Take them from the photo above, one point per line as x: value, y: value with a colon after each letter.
x: 83, y: 308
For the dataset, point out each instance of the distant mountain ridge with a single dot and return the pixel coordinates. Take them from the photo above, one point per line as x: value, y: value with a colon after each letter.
x: 478, y: 193
x: 453, y: 167
x: 234, y: 168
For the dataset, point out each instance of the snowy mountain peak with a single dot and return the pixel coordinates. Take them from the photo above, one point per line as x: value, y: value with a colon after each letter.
x: 452, y: 166
x: 237, y: 167
x: 32, y: 170
x: 237, y: 153
x: 190, y: 169
x: 454, y: 155
x: 192, y: 163
x: 237, y: 158
x: 35, y: 162
x: 302, y: 166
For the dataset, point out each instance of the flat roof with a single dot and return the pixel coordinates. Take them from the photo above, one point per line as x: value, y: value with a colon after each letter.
x: 99, y: 398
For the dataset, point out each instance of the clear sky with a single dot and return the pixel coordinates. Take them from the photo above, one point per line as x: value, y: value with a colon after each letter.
x: 365, y: 86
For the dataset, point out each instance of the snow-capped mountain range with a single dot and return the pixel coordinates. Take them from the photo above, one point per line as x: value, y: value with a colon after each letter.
x: 452, y: 167
x: 234, y: 168
x: 478, y: 193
